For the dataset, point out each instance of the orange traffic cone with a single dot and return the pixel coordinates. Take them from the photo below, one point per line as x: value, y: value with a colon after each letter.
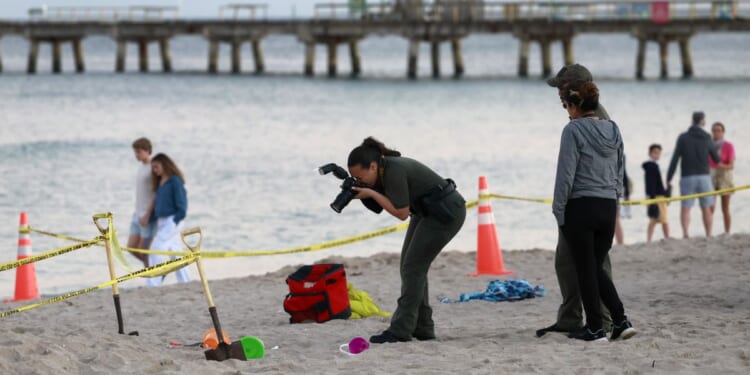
x: 489, y: 254
x: 26, y: 287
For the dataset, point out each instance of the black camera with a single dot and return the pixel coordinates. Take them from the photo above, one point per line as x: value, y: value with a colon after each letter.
x: 347, y: 192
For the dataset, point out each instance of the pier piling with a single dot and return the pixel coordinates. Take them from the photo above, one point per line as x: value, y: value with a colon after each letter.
x: 78, y: 55
x: 166, y: 57
x: 260, y: 65
x: 56, y: 57
x: 664, y: 58
x: 435, y: 59
x: 413, y: 59
x: 567, y: 47
x: 332, y: 58
x: 309, y: 59
x: 546, y: 58
x: 33, y: 56
x: 355, y: 58
x: 213, y: 56
x: 458, y: 58
x: 120, y: 58
x: 687, y: 59
x: 523, y: 58
x: 143, y: 55
x: 236, y: 57
x: 640, y: 59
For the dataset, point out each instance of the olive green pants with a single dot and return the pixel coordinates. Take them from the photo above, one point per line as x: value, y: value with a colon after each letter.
x: 424, y: 240
x: 570, y: 313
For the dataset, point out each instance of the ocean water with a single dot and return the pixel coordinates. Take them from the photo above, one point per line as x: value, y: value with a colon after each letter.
x: 249, y: 145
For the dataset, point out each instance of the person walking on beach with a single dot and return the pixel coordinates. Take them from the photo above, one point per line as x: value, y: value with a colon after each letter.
x: 657, y: 212
x: 141, y: 231
x: 405, y: 187
x: 693, y: 149
x: 721, y: 173
x: 170, y: 209
x: 570, y: 312
x: 588, y: 183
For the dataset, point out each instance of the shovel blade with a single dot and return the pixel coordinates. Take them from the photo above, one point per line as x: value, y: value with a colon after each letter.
x: 224, y: 352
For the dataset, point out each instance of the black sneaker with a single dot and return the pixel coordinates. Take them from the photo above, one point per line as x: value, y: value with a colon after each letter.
x: 623, y: 331
x: 385, y: 337
x: 585, y: 334
x: 552, y: 328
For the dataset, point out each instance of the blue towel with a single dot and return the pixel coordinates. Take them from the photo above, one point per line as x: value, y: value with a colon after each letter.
x: 498, y: 291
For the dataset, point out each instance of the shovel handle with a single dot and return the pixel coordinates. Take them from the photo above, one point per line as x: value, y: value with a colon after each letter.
x: 188, y: 232
x: 108, y: 217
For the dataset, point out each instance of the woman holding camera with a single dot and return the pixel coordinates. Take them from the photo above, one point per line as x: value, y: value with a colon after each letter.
x: 404, y: 186
x: 590, y: 170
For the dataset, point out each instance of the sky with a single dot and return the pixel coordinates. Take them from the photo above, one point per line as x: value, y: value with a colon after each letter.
x: 18, y: 9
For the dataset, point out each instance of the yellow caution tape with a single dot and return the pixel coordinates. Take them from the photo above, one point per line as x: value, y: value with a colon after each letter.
x: 361, y: 237
x: 49, y: 254
x: 146, y: 272
x: 56, y: 235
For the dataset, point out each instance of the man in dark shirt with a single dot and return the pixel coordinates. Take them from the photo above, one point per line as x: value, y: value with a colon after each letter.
x: 694, y: 147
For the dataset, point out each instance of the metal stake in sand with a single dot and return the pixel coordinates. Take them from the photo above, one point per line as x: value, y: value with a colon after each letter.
x: 223, y: 351
x: 107, y: 232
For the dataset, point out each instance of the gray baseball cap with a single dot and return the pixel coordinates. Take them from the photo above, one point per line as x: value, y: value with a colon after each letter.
x: 570, y: 73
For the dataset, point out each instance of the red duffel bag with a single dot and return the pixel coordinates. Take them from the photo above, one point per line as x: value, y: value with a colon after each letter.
x: 317, y: 293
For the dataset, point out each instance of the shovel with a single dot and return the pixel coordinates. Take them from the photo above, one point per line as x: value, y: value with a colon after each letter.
x: 107, y: 232
x: 223, y: 350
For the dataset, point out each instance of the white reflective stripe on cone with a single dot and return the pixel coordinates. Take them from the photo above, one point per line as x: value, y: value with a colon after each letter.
x: 486, y: 218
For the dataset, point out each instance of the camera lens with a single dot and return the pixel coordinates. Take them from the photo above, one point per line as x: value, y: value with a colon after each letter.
x: 342, y: 200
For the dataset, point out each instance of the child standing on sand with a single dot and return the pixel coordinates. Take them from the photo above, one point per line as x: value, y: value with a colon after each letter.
x: 657, y: 212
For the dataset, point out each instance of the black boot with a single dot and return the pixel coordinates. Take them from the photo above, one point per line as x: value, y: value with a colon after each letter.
x: 385, y: 337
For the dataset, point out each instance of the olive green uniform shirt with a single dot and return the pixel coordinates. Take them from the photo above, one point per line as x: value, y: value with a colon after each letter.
x: 405, y: 180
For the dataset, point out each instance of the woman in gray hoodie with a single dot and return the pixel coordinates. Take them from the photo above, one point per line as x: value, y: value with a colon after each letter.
x: 588, y: 183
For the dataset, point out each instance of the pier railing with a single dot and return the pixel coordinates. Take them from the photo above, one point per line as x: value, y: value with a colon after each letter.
x: 237, y: 12
x: 104, y: 14
x: 477, y: 10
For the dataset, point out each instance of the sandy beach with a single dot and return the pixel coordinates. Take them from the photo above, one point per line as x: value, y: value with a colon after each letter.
x: 688, y: 299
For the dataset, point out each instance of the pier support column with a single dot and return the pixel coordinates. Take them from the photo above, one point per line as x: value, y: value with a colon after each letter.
x: 435, y: 59
x: 355, y: 58
x: 213, y: 56
x: 120, y: 57
x: 687, y: 59
x: 458, y: 58
x: 332, y: 59
x: 78, y: 56
x: 309, y: 59
x: 260, y: 65
x: 1, y: 61
x: 56, y: 57
x: 166, y: 57
x: 143, y: 55
x: 236, y: 57
x: 546, y: 58
x: 640, y: 59
x: 664, y: 58
x: 413, y: 59
x: 523, y: 58
x: 33, y: 56
x: 567, y: 47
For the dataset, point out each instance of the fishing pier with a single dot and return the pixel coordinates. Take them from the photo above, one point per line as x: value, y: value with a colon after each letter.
x: 542, y: 23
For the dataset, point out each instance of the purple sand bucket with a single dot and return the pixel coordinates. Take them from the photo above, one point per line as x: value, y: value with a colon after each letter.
x: 357, y: 345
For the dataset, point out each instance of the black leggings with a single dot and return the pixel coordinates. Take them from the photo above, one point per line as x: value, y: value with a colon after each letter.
x: 589, y: 228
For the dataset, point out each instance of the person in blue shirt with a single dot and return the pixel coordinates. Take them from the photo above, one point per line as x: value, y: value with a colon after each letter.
x: 170, y: 209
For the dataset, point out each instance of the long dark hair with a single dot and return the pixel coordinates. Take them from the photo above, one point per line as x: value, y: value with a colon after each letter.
x: 169, y: 168
x: 583, y: 94
x: 371, y: 150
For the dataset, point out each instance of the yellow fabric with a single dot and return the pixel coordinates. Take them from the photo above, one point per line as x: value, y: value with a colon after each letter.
x: 362, y: 305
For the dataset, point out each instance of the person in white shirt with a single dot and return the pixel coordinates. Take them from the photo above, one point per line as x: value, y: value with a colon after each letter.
x: 141, y: 231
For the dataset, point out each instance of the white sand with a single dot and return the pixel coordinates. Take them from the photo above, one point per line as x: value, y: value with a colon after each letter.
x: 688, y: 299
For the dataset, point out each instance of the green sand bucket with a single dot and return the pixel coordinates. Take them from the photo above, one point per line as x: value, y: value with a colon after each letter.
x: 253, y: 347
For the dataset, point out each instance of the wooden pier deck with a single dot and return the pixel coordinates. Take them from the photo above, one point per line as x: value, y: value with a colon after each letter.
x: 438, y: 22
